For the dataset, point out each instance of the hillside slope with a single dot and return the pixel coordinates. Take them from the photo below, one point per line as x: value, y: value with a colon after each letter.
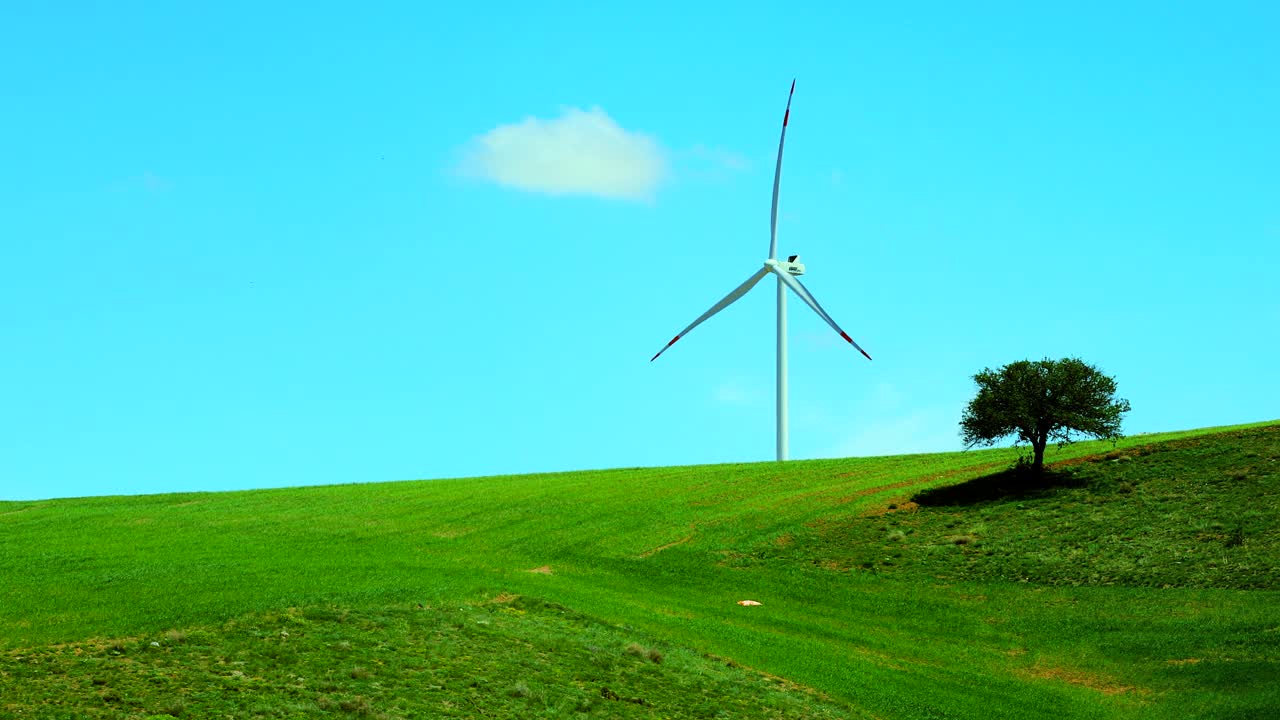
x: 1054, y: 604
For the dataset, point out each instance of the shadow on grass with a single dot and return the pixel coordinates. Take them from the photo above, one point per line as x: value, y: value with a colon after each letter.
x: 1017, y: 482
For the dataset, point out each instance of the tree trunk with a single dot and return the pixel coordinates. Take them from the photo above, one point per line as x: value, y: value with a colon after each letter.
x: 1037, y: 463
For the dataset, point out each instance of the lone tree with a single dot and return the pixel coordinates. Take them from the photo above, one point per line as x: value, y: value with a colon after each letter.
x: 1042, y: 401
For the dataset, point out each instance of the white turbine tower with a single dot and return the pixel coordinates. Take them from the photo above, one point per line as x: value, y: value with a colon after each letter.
x: 787, y: 271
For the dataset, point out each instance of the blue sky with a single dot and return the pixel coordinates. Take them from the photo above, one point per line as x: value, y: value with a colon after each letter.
x: 247, y: 247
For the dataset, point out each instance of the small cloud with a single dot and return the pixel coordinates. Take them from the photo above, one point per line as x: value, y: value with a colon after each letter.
x: 582, y: 152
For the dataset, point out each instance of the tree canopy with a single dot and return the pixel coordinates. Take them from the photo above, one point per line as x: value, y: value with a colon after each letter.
x: 1041, y: 401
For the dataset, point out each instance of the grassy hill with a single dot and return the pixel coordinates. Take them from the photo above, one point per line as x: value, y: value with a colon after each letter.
x: 1140, y: 582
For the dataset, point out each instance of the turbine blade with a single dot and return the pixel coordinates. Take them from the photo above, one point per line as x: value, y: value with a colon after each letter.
x: 777, y: 179
x: 726, y: 302
x: 812, y: 302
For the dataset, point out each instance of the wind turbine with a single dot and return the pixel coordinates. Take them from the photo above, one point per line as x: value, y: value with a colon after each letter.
x: 787, y: 271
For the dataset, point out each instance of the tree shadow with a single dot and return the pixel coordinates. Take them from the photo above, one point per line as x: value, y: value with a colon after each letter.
x: 1014, y: 483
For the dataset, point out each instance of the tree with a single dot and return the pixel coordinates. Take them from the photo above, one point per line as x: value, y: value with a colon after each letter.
x: 1042, y: 401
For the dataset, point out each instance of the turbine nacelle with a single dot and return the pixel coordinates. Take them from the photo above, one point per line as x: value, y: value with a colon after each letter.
x: 791, y: 265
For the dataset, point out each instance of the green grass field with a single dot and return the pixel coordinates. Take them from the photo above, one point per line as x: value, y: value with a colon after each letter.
x: 1140, y: 583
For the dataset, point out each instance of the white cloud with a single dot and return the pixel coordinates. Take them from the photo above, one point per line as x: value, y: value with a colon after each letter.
x: 582, y: 152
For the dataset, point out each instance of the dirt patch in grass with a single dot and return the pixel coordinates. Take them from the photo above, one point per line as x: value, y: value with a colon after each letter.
x: 893, y: 507
x: 1079, y: 678
x: 541, y: 570
x: 654, y: 551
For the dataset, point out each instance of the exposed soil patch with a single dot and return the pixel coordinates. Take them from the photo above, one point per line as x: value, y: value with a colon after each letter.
x: 543, y: 570
x: 1079, y: 678
x: 660, y: 548
x: 893, y: 507
x: 654, y: 551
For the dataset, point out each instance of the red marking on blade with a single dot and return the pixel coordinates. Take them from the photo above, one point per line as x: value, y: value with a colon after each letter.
x: 785, y: 117
x: 673, y: 342
x: 849, y: 340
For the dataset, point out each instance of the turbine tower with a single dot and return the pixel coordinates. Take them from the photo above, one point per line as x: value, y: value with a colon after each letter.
x: 787, y: 271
